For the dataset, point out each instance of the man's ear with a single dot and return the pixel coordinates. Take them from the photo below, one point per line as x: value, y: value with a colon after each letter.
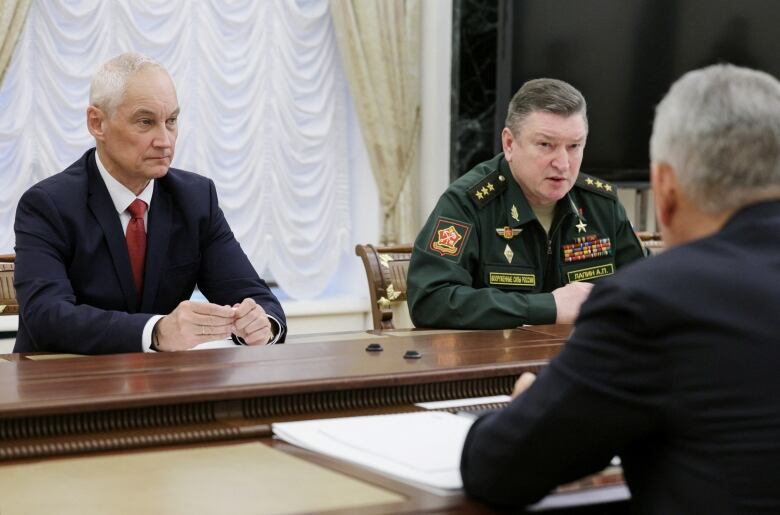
x: 95, y: 119
x: 507, y: 140
x: 666, y: 192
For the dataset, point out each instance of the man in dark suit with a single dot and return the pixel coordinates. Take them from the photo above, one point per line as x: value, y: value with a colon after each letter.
x: 673, y: 362
x: 90, y: 277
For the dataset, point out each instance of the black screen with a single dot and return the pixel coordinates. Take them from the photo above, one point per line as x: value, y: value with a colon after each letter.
x: 623, y: 55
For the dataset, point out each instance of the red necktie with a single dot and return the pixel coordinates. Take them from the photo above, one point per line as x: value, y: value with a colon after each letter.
x: 136, y: 242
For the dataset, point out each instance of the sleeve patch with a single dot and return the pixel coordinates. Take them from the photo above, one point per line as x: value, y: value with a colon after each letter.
x: 449, y: 237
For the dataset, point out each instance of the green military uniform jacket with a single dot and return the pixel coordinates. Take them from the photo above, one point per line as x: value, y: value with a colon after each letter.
x: 483, y: 260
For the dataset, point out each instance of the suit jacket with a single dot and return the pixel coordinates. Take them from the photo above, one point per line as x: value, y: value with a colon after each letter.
x: 673, y: 366
x: 73, y: 277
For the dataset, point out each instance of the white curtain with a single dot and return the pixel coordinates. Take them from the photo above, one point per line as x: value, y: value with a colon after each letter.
x: 265, y: 109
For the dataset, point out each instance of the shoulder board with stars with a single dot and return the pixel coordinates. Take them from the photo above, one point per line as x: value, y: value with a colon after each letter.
x: 488, y: 188
x: 596, y: 185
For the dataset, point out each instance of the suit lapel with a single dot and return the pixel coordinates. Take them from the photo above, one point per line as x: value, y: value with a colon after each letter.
x: 103, y: 208
x: 157, y: 238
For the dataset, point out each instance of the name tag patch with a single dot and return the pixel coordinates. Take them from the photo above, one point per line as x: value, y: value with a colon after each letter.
x: 511, y: 279
x: 594, y: 272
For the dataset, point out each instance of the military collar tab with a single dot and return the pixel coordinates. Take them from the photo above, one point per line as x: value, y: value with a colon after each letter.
x: 490, y: 187
x: 596, y: 185
x: 568, y: 201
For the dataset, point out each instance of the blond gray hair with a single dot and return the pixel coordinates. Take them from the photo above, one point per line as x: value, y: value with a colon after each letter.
x: 719, y: 129
x: 109, y: 84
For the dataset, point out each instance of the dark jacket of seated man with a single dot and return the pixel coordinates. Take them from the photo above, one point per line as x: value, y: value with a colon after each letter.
x: 73, y: 276
x: 673, y: 362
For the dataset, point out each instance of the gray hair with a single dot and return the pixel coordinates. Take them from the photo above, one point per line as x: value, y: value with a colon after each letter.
x: 109, y: 84
x: 719, y: 128
x: 548, y: 95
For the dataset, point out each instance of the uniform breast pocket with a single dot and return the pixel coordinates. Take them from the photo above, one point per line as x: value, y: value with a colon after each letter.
x: 512, y: 278
x: 589, y: 269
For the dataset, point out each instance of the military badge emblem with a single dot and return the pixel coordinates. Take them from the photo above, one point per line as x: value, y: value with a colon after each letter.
x: 449, y: 236
x: 508, y: 254
x: 507, y: 232
x: 448, y: 240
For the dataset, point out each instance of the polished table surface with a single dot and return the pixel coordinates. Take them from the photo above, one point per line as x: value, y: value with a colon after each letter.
x: 33, y: 386
x: 53, y: 406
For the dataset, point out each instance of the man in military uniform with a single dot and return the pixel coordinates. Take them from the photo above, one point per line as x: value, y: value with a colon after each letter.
x: 520, y: 238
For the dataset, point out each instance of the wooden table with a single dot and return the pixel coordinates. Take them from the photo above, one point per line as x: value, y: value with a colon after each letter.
x: 67, y: 408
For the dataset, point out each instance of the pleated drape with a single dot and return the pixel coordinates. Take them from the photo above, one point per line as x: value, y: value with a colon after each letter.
x: 12, y: 16
x: 379, y: 42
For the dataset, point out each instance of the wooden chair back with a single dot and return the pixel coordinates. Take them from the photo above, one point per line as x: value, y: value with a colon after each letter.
x: 8, y: 303
x: 651, y: 241
x: 386, y: 270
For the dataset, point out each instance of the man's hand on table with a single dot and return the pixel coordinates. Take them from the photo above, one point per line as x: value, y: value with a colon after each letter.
x: 523, y: 383
x: 191, y: 324
x: 252, y: 323
x: 568, y: 300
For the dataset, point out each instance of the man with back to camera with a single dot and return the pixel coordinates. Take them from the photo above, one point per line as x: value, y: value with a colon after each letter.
x: 90, y: 277
x: 518, y: 239
x: 672, y: 364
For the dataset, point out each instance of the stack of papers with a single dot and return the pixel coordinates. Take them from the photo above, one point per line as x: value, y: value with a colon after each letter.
x: 423, y: 448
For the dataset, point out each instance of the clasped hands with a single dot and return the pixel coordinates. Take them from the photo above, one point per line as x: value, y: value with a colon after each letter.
x: 193, y: 323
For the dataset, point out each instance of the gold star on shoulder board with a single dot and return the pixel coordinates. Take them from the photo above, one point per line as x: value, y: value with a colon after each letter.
x: 607, y: 187
x: 490, y: 186
x: 582, y: 226
x: 599, y: 184
x: 589, y: 181
x: 479, y: 195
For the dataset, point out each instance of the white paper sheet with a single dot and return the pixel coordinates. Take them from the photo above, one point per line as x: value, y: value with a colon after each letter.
x: 216, y: 344
x: 423, y: 447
